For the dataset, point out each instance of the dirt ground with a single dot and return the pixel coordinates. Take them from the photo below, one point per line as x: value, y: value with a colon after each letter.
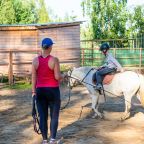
x: 16, y: 125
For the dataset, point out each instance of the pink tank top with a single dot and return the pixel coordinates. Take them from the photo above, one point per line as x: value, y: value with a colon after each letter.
x: 45, y: 75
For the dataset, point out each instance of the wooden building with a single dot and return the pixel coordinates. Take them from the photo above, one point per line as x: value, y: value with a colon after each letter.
x: 20, y: 43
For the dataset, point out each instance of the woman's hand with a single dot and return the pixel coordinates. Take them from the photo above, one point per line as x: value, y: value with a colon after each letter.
x: 33, y: 94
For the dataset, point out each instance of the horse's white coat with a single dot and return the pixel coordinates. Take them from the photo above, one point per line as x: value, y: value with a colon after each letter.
x: 125, y: 84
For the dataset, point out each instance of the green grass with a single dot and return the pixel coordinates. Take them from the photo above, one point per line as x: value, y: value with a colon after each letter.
x: 19, y: 86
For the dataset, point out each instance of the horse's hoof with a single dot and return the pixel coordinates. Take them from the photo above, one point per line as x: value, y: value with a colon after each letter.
x: 101, y: 117
x: 125, y: 117
x: 94, y: 116
x: 122, y: 119
x: 98, y: 116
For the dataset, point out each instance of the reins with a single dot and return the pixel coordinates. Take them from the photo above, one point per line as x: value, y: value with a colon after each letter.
x: 68, y: 98
x: 98, y: 96
x: 86, y: 74
x: 101, y: 89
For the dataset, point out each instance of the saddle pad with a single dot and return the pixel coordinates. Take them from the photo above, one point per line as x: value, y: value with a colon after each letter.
x: 107, y: 79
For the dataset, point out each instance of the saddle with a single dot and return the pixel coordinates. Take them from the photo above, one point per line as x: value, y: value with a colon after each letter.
x: 107, y: 78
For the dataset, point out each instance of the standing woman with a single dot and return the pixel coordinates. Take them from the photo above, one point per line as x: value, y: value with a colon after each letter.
x: 45, y: 87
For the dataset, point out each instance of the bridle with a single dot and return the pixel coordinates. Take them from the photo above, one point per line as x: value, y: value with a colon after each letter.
x: 81, y: 81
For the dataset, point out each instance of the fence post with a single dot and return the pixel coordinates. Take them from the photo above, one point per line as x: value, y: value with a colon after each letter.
x: 92, y: 53
x: 10, y: 72
x: 82, y: 57
x: 140, y: 61
x: 114, y: 52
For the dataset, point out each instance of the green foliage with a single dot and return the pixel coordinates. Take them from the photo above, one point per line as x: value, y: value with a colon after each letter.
x: 65, y: 68
x: 108, y: 18
x: 17, y: 12
x: 23, y: 12
x: 43, y: 16
x: 19, y: 86
x: 7, y: 12
x: 138, y: 19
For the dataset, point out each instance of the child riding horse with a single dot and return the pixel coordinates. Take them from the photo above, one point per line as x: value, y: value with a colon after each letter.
x: 111, y: 65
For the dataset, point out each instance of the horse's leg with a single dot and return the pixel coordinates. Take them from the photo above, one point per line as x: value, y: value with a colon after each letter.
x: 127, y: 107
x: 95, y: 106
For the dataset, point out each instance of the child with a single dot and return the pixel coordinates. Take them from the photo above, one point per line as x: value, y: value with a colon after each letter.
x: 111, y: 65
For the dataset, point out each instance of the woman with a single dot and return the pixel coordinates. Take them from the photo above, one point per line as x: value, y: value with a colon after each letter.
x: 111, y: 65
x: 45, y: 86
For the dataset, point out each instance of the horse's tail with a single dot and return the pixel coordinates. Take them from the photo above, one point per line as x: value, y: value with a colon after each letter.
x: 141, y: 89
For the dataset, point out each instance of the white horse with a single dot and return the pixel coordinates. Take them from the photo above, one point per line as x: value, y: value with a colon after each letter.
x: 125, y: 84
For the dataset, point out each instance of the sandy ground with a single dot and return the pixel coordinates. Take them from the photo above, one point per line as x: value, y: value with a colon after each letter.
x: 16, y: 125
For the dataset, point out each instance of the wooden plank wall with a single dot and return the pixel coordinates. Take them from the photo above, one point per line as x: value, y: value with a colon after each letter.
x: 17, y: 40
x: 66, y: 47
x: 67, y: 43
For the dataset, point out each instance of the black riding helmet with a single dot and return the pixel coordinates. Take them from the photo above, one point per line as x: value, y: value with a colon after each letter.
x: 104, y: 46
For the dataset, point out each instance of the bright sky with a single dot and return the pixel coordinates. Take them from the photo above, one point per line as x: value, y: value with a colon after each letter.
x: 61, y: 7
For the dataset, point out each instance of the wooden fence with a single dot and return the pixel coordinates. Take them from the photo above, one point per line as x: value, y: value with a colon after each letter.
x: 128, y: 57
x: 11, y: 62
x: 18, y: 62
x: 21, y: 65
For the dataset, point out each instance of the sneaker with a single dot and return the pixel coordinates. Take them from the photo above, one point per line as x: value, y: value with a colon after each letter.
x: 98, y: 87
x: 45, y: 142
x: 53, y: 141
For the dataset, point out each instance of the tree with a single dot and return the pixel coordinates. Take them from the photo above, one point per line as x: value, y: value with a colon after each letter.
x: 43, y: 16
x: 7, y: 12
x: 138, y: 18
x: 25, y: 11
x: 107, y: 17
x: 17, y: 12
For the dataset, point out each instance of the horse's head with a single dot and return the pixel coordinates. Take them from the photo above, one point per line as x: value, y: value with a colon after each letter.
x: 73, y: 81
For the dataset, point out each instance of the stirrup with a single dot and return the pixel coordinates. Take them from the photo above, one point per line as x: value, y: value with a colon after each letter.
x: 98, y: 87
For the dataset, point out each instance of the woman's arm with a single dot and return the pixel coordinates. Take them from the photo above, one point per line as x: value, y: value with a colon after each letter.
x: 34, y: 65
x: 57, y: 73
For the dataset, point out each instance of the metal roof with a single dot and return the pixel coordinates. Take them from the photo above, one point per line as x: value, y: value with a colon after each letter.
x: 38, y: 26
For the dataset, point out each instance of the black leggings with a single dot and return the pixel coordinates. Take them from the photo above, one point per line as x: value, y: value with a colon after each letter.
x: 48, y: 97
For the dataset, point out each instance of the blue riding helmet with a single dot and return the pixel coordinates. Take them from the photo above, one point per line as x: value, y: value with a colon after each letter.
x: 104, y: 46
x: 46, y: 43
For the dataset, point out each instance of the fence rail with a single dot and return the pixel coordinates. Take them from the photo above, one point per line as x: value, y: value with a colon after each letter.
x: 15, y: 63
x: 18, y: 62
x: 126, y: 56
x: 135, y: 41
x: 10, y: 62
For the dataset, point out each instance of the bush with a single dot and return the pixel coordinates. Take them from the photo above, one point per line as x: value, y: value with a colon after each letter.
x: 65, y: 68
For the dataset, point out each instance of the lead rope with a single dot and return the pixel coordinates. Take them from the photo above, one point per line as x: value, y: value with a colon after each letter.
x: 68, y: 97
x: 35, y: 118
x: 103, y: 90
x: 36, y: 125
